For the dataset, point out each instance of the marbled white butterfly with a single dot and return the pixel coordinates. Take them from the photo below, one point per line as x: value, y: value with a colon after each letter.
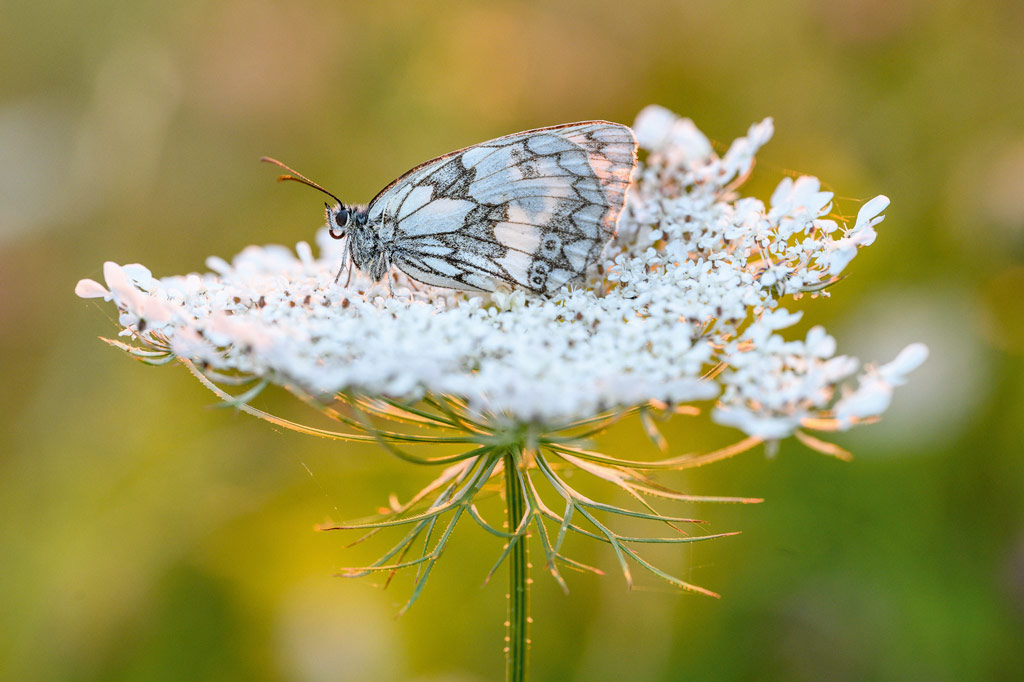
x: 533, y: 210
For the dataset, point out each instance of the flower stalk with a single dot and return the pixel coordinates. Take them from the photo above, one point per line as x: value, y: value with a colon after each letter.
x: 517, y: 652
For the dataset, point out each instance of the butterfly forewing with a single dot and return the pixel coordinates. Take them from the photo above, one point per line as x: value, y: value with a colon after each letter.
x: 533, y: 209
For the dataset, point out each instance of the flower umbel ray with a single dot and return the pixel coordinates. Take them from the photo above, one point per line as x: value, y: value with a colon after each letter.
x: 686, y: 306
x: 537, y: 455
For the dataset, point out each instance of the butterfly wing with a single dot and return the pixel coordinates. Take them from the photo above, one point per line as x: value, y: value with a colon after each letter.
x: 533, y: 209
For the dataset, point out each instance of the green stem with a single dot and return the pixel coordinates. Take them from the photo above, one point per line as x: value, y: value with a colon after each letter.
x: 516, y: 661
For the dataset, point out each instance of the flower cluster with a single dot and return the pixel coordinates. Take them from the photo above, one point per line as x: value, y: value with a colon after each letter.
x: 684, y: 308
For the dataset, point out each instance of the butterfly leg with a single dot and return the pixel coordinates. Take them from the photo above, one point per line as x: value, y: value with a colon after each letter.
x: 346, y: 260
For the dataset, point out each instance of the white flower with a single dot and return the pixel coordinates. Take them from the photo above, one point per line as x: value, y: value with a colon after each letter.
x: 908, y: 359
x: 686, y: 306
x: 873, y: 394
x: 694, y: 281
x: 659, y: 130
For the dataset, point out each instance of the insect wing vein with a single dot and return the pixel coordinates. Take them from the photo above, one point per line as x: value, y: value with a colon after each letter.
x: 532, y: 209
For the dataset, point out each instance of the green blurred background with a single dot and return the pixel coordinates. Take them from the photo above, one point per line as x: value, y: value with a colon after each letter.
x: 144, y: 536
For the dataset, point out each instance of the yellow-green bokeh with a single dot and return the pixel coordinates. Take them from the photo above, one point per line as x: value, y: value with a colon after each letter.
x: 144, y: 536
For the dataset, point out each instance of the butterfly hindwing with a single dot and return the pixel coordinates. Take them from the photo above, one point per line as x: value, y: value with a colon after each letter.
x: 533, y: 209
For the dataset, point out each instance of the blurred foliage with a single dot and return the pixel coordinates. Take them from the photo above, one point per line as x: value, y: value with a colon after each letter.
x: 144, y: 537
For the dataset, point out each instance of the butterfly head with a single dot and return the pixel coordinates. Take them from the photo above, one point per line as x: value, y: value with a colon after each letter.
x: 342, y: 219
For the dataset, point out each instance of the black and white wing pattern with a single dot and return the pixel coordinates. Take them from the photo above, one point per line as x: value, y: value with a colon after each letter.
x: 534, y: 209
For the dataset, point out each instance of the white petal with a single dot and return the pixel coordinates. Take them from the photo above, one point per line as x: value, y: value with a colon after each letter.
x: 869, y: 212
x: 653, y: 125
x: 87, y: 288
x: 908, y: 359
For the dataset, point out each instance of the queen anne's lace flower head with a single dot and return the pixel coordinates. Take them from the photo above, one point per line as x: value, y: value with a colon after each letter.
x: 684, y: 307
x: 691, y: 284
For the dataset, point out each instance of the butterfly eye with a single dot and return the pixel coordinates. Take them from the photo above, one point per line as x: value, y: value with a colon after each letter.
x: 341, y: 218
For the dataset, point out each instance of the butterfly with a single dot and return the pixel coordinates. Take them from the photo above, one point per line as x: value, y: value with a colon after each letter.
x: 532, y: 210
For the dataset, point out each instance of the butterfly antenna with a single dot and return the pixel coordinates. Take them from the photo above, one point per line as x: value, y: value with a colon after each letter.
x: 296, y: 176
